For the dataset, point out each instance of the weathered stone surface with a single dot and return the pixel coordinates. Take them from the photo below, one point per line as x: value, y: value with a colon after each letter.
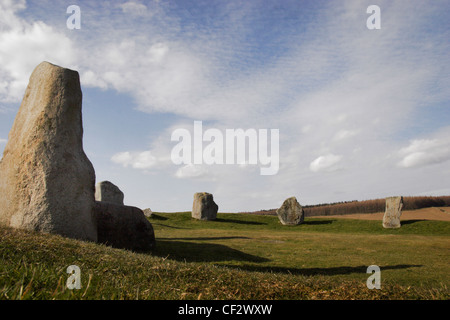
x: 291, y: 212
x: 106, y: 191
x: 148, y: 212
x: 123, y: 227
x: 46, y: 181
x: 391, y: 218
x: 204, y: 207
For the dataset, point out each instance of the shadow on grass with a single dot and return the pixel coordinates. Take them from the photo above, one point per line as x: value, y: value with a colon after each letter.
x: 201, y: 252
x: 317, y: 222
x: 205, y: 238
x: 239, y: 221
x: 320, y: 271
x: 167, y: 226
x: 405, y: 222
x: 157, y: 217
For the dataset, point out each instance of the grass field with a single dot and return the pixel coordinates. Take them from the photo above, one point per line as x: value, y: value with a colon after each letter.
x: 238, y: 256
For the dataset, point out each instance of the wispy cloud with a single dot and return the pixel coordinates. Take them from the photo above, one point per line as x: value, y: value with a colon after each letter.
x: 24, y: 44
x: 338, y: 93
x: 137, y: 160
x: 325, y: 163
x: 423, y: 152
x: 192, y: 171
x: 134, y: 8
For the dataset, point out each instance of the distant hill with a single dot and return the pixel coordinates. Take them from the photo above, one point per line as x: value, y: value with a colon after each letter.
x: 365, y: 206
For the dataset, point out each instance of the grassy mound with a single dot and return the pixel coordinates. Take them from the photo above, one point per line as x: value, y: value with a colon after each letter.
x: 239, y: 256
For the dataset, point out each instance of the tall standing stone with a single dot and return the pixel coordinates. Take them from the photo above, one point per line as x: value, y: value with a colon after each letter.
x: 108, y: 192
x: 204, y: 207
x: 391, y: 218
x: 46, y: 181
x: 291, y: 212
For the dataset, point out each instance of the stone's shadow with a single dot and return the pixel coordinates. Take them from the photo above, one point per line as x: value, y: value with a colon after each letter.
x: 201, y: 252
x: 165, y: 225
x: 405, y: 222
x: 320, y: 271
x: 206, y: 238
x: 157, y: 217
x: 239, y: 221
x: 317, y: 222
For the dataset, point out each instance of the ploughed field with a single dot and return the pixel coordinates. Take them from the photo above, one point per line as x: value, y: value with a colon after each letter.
x: 238, y: 256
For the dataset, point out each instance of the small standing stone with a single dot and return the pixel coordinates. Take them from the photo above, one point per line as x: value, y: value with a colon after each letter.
x: 291, y: 212
x: 391, y: 218
x: 123, y: 227
x: 106, y: 191
x: 148, y: 212
x: 204, y: 207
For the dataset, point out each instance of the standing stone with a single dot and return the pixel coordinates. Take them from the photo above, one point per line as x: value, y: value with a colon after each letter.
x: 291, y: 212
x: 123, y: 227
x: 204, y: 207
x: 391, y: 218
x: 108, y: 192
x: 46, y: 181
x: 148, y: 212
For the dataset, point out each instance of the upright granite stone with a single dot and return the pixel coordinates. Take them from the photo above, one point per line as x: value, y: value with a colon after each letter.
x: 391, y: 218
x: 108, y: 192
x: 46, y: 181
x: 291, y: 212
x: 148, y: 212
x: 123, y: 227
x: 204, y: 207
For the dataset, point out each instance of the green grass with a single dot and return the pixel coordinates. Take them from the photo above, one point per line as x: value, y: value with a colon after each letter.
x: 235, y: 221
x: 340, y: 249
x: 238, y: 256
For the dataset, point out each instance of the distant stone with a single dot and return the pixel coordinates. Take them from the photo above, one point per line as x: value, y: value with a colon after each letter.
x: 291, y: 212
x: 204, y: 207
x: 123, y: 227
x: 106, y: 191
x: 147, y: 212
x: 46, y: 181
x: 391, y: 218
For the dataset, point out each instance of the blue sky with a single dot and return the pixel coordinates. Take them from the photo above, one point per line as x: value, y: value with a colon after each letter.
x: 362, y: 113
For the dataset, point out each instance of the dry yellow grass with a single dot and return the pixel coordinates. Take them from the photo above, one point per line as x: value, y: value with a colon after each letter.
x: 438, y: 214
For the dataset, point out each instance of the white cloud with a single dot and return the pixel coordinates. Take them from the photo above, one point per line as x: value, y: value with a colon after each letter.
x: 339, y: 89
x: 144, y: 160
x: 133, y: 8
x: 157, y: 52
x: 330, y: 85
x: 123, y: 158
x: 343, y: 134
x: 90, y: 79
x: 325, y: 163
x: 167, y: 70
x: 137, y: 160
x: 424, y: 152
x: 7, y: 10
x: 191, y: 171
x: 23, y: 45
x: 2, y: 141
